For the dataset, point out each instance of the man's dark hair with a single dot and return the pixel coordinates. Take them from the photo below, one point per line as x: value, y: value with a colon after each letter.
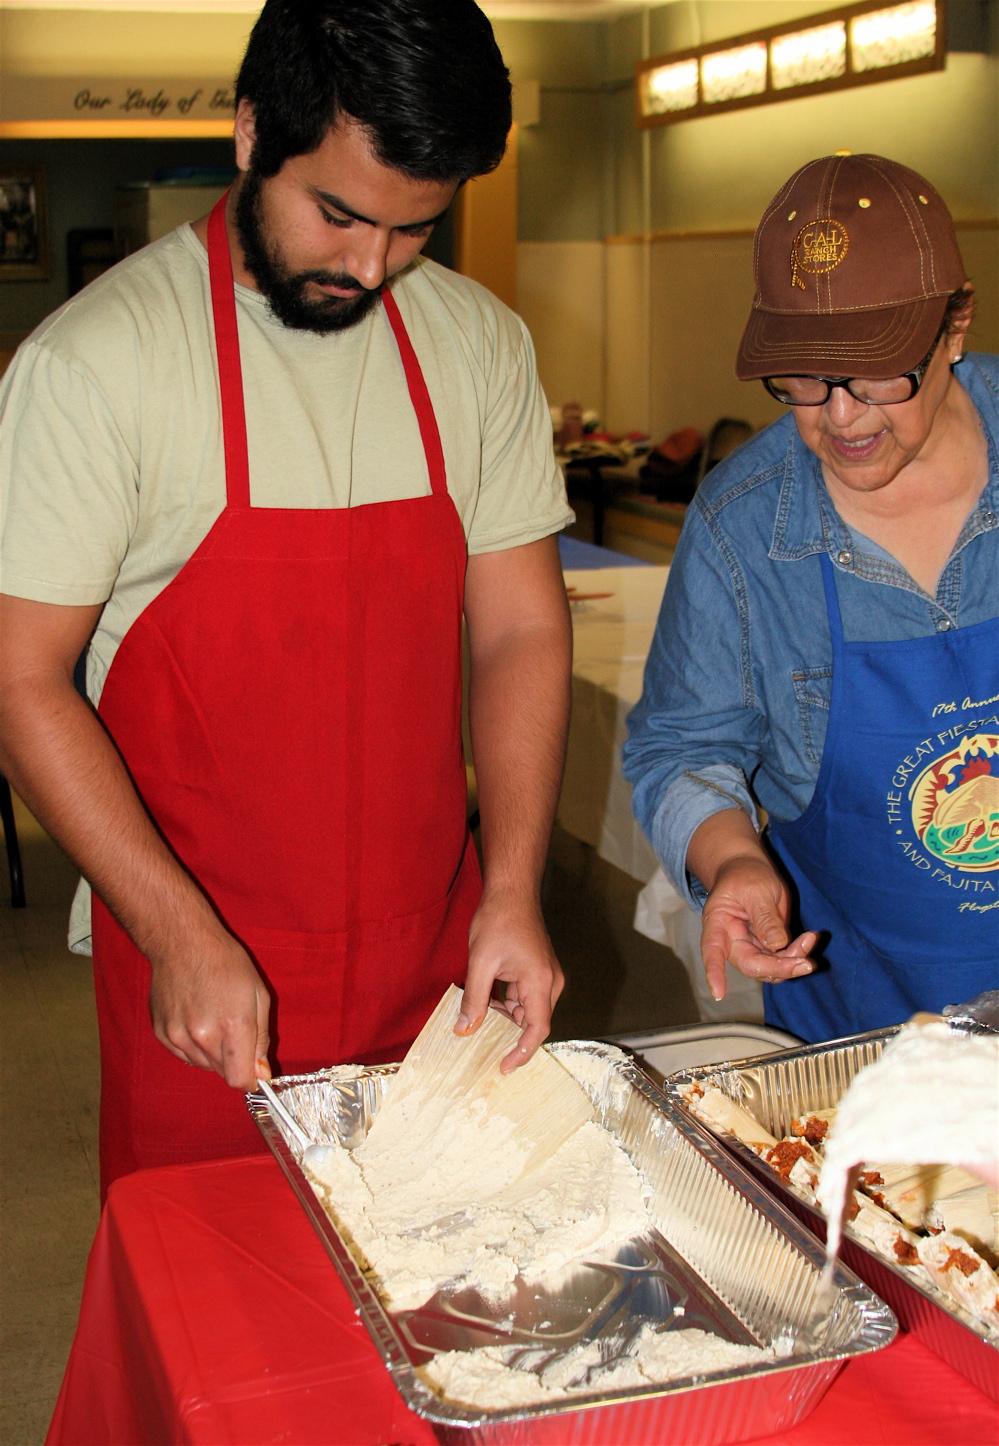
x: 425, y: 77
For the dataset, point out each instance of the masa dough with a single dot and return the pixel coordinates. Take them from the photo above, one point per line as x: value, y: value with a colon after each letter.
x: 460, y: 1203
x: 459, y: 1207
x: 932, y: 1098
x: 484, y: 1379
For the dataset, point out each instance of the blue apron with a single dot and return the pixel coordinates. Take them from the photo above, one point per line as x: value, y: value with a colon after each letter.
x: 896, y: 858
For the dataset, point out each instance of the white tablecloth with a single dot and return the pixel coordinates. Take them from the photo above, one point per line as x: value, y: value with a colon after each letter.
x: 612, y: 637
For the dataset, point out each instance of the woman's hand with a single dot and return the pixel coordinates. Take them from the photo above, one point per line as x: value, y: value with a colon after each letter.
x: 745, y: 918
x: 744, y: 923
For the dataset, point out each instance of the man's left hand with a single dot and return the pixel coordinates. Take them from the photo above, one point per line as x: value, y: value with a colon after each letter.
x: 509, y: 944
x: 520, y: 652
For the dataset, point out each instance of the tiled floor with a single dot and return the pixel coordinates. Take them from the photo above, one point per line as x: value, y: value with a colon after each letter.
x: 48, y: 1137
x: 616, y: 982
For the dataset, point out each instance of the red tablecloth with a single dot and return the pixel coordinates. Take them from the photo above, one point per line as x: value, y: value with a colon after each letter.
x: 211, y: 1314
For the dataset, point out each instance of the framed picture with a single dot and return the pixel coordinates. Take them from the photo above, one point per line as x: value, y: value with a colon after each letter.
x: 24, y: 224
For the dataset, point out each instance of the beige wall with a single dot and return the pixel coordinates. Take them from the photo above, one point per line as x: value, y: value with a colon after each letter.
x: 121, y: 43
x: 485, y: 227
x: 698, y: 22
x: 560, y: 295
x: 587, y: 306
x: 701, y: 294
x: 980, y: 250
x: 680, y: 372
x: 626, y: 348
x: 562, y: 193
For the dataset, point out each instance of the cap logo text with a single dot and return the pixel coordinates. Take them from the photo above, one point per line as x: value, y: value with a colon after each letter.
x: 818, y: 247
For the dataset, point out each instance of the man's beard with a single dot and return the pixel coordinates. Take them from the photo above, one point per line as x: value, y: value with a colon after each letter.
x: 286, y: 291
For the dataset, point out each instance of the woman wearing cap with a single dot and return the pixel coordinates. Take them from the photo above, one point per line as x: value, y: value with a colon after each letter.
x: 828, y: 646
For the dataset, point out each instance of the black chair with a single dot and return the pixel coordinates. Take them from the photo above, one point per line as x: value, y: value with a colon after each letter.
x: 726, y: 434
x: 17, y: 899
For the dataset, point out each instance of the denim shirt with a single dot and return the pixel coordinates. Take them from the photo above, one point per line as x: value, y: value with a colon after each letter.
x: 739, y: 678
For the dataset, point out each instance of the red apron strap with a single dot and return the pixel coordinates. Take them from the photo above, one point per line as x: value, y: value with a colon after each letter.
x: 237, y: 466
x: 419, y: 396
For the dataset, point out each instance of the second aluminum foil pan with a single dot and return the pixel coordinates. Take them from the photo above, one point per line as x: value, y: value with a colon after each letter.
x: 722, y: 1256
x: 775, y: 1088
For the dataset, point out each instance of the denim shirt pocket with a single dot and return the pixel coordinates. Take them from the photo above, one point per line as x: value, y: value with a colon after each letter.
x: 813, y: 689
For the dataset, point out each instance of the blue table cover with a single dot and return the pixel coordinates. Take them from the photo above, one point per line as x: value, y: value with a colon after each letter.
x: 585, y: 556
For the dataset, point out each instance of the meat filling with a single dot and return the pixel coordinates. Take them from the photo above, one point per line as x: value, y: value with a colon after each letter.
x: 814, y: 1130
x: 786, y: 1153
x: 960, y: 1260
x: 905, y: 1253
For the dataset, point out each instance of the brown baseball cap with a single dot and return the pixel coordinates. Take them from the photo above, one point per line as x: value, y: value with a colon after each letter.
x: 854, y: 261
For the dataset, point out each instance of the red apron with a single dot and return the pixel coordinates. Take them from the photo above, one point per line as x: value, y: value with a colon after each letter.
x: 289, y: 709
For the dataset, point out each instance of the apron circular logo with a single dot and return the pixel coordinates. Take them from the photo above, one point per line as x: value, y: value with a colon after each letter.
x: 818, y: 247
x: 955, y: 805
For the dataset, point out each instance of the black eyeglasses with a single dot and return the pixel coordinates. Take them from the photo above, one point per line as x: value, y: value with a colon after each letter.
x: 885, y: 392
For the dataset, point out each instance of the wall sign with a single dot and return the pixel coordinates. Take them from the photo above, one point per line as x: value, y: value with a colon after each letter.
x: 143, y: 100
x: 92, y: 105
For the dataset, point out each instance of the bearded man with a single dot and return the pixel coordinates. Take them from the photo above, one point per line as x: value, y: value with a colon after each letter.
x: 264, y: 467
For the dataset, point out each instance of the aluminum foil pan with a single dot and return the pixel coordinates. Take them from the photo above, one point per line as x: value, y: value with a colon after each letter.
x: 722, y: 1256
x: 775, y: 1088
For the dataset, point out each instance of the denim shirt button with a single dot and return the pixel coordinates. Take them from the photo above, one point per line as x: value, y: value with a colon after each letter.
x: 989, y: 518
x: 845, y: 558
x: 944, y: 625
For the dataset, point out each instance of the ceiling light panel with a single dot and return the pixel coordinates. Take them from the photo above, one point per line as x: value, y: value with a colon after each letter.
x: 730, y: 74
x: 861, y: 43
x: 670, y: 88
x: 808, y: 56
x: 893, y: 36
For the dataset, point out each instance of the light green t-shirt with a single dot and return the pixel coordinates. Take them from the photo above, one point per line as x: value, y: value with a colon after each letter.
x: 111, y: 443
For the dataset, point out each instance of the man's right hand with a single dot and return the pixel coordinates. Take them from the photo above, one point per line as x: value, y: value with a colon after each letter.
x: 210, y: 1008
x: 208, y: 1003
